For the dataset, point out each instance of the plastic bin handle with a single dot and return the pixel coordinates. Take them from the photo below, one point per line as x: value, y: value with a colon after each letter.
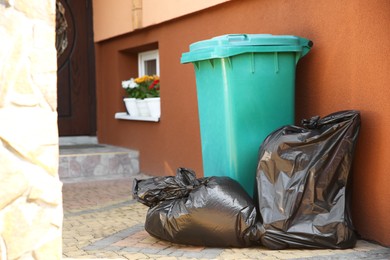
x: 306, y: 46
x: 237, y: 37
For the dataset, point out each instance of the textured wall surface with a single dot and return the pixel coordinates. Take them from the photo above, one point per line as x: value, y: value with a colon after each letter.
x: 135, y: 14
x: 30, y: 190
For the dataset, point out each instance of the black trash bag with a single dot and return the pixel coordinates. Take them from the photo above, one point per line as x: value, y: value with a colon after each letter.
x: 214, y: 211
x: 303, y: 183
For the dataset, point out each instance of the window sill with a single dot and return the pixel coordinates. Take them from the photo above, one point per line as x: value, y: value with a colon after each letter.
x: 125, y: 116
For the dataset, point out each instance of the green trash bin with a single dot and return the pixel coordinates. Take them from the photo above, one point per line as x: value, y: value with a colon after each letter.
x: 245, y: 88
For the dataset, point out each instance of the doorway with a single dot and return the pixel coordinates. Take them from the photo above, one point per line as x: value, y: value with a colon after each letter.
x: 76, y: 97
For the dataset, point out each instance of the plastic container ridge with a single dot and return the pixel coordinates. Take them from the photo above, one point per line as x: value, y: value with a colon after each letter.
x: 235, y: 44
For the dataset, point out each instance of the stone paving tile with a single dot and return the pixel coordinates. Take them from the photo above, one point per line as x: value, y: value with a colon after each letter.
x: 102, y: 221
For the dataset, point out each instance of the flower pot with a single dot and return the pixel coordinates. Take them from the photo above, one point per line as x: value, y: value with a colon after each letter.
x: 154, y: 106
x: 131, y: 106
x: 143, y: 108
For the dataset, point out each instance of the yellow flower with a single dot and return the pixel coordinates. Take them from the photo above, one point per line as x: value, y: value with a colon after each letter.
x: 140, y: 80
x: 146, y: 78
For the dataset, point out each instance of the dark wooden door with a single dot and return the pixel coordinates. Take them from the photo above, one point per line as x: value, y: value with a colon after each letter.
x: 75, y: 68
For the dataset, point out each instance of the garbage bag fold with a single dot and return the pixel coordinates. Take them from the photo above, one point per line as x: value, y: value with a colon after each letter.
x: 154, y: 190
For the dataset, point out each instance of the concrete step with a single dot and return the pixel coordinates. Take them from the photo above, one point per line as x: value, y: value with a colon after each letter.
x: 92, y: 161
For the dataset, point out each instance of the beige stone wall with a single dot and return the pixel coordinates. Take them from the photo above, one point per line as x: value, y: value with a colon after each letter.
x: 30, y: 190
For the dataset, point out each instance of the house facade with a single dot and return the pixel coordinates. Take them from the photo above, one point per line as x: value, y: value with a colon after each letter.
x: 347, y: 68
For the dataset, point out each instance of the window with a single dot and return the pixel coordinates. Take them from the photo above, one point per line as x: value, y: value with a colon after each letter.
x: 148, y: 63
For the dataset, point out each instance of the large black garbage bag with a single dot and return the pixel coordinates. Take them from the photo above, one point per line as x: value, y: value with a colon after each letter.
x: 303, y: 183
x: 213, y: 211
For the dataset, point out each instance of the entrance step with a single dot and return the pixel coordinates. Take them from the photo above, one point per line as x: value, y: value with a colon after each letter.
x: 92, y: 161
x: 84, y: 139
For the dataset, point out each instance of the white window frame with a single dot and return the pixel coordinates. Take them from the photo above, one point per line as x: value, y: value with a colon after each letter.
x: 145, y: 56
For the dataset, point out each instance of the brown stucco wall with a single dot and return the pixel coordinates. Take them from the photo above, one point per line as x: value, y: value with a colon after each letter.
x: 348, y: 68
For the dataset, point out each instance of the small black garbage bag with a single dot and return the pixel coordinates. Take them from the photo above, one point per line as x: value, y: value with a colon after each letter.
x: 211, y: 211
x: 303, y: 183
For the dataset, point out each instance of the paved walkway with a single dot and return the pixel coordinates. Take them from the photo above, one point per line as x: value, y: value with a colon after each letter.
x: 102, y: 221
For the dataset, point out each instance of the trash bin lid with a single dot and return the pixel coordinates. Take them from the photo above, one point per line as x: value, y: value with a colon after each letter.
x: 234, y: 44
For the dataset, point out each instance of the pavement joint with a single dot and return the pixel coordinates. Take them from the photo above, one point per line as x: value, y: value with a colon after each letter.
x: 107, y: 244
x: 109, y: 207
x: 107, y: 241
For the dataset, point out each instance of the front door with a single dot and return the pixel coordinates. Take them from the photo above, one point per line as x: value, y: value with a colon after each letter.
x: 75, y: 68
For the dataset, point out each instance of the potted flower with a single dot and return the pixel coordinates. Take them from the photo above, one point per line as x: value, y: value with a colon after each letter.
x: 145, y: 92
x: 151, y: 86
x: 132, y: 92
